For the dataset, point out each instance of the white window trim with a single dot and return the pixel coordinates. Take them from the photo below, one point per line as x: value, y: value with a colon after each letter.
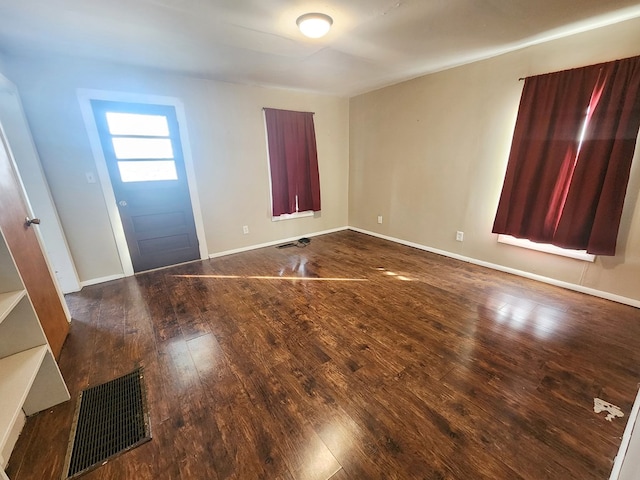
x: 284, y: 216
x: 547, y: 248
x: 291, y: 216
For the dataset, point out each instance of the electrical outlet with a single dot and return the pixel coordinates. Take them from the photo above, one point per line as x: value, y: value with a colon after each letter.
x: 245, y: 229
x: 379, y: 218
x: 459, y: 236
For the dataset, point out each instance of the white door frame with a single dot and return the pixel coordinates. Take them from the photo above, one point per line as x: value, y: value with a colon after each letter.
x: 84, y: 97
x: 36, y: 190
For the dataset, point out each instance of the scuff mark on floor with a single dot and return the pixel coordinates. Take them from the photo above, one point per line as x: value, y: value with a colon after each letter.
x: 600, y: 405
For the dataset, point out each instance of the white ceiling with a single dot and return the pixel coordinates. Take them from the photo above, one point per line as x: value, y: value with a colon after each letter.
x: 372, y: 43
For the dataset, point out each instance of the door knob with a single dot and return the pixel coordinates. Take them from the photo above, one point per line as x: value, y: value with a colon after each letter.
x: 122, y: 203
x: 30, y: 221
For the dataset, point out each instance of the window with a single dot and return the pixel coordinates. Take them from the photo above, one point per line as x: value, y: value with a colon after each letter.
x: 141, y: 146
x: 293, y: 162
x: 547, y: 248
x: 571, y: 156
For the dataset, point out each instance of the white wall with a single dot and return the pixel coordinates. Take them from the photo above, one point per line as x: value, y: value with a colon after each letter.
x: 631, y: 465
x: 226, y: 132
x: 49, y: 232
x: 430, y: 156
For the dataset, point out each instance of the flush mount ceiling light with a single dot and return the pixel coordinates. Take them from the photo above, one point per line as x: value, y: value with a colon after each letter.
x: 314, y: 25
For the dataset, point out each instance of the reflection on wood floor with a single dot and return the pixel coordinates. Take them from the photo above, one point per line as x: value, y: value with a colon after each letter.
x: 354, y: 358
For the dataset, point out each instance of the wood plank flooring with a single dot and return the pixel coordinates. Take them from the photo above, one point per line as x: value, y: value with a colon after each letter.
x: 353, y: 358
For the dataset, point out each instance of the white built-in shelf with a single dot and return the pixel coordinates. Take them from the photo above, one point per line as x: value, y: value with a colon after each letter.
x: 8, y: 302
x: 30, y: 380
x: 17, y: 375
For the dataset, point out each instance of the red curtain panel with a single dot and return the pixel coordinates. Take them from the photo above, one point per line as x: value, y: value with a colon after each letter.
x: 571, y: 156
x: 293, y: 158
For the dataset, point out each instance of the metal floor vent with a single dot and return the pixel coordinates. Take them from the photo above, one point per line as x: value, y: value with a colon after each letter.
x: 110, y: 419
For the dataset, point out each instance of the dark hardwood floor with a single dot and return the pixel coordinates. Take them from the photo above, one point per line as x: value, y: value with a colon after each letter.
x: 353, y: 358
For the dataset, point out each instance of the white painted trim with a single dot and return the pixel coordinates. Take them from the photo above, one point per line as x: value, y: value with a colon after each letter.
x: 521, y: 273
x: 276, y: 242
x: 266, y: 147
x: 292, y: 216
x: 284, y: 216
x: 626, y: 439
x: 95, y: 281
x: 191, y: 179
x: 551, y: 281
x: 118, y: 276
x: 4, y: 143
x: 635, y: 411
x: 546, y: 248
x: 28, y: 164
x: 84, y: 98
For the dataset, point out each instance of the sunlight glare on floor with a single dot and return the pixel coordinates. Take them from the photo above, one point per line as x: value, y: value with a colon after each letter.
x: 268, y: 277
x: 389, y: 273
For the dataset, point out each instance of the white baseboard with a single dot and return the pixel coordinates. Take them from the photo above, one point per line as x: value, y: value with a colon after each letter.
x: 276, y: 242
x: 551, y: 281
x: 633, y: 416
x: 626, y: 441
x: 95, y: 281
x: 635, y: 411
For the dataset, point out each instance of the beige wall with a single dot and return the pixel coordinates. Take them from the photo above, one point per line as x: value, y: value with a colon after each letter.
x: 227, y: 138
x: 430, y: 155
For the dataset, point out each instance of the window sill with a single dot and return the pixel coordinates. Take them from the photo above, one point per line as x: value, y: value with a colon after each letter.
x: 291, y: 216
x: 545, y: 247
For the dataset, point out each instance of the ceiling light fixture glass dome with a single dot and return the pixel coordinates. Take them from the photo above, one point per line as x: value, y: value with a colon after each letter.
x: 314, y: 25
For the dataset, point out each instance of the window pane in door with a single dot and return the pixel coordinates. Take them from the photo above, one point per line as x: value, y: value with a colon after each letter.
x: 127, y: 148
x: 147, y: 171
x: 137, y: 124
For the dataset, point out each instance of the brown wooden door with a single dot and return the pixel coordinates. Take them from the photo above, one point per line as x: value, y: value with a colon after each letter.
x: 27, y: 254
x: 141, y: 145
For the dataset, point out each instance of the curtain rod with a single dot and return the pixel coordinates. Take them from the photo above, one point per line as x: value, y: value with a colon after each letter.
x: 264, y: 108
x: 578, y: 68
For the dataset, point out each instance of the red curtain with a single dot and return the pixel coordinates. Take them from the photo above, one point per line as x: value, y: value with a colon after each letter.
x: 571, y: 156
x: 293, y: 159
